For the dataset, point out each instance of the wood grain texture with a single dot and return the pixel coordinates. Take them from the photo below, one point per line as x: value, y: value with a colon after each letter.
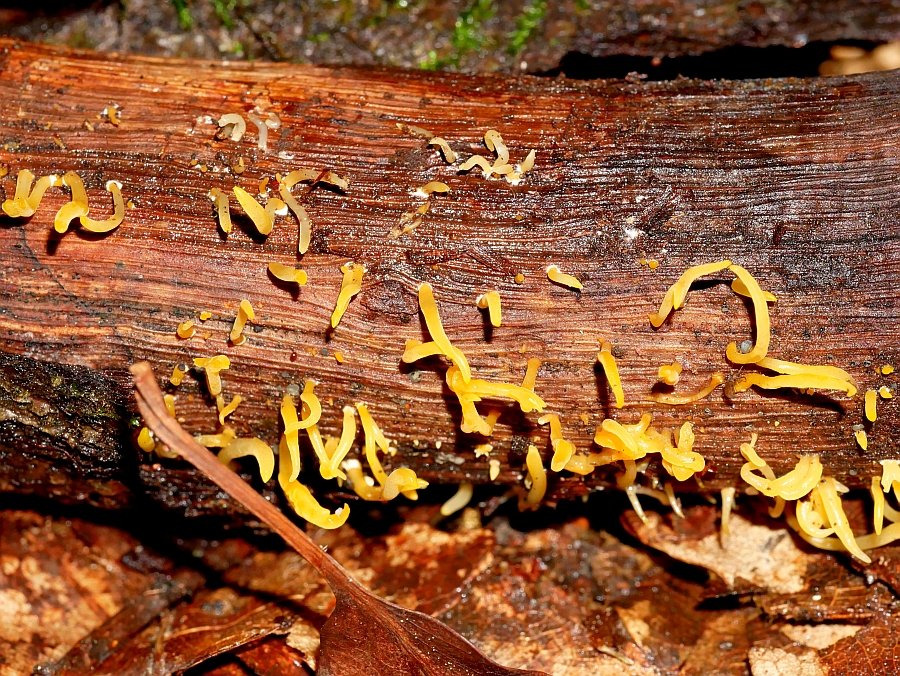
x: 794, y: 180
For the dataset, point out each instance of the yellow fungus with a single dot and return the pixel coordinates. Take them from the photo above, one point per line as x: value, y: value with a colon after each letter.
x: 76, y: 208
x: 211, y: 367
x: 670, y: 373
x: 145, y: 440
x: 245, y: 313
x: 230, y: 408
x: 677, y: 293
x: 261, y: 218
x: 491, y: 301
x: 185, y: 330
x: 884, y: 392
x: 531, y: 371
x: 177, y: 375
x: 887, y: 369
x: 802, y: 381
x: 519, y: 278
x: 675, y: 399
x: 559, y: 277
x: 431, y: 187
x: 302, y: 501
x: 871, y: 412
x: 429, y: 310
x: 494, y: 470
x: 862, y: 439
x: 350, y: 286
x: 348, y: 434
x: 793, y: 368
x: 482, y: 450
x: 761, y: 312
x: 727, y: 506
x: 608, y: 362
x: 563, y: 450
x: 27, y: 199
x: 738, y: 286
x: 459, y: 500
x: 118, y: 212
x: 242, y: 447
x: 538, y: 477
x: 878, y: 499
x: 169, y: 401
x: 449, y: 155
x: 287, y: 273
x: 221, y: 201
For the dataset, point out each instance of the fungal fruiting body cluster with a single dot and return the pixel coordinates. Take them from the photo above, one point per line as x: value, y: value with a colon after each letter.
x: 817, y: 512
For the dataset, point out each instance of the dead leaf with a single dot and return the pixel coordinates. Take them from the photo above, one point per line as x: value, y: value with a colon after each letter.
x: 778, y: 662
x: 819, y: 636
x: 275, y: 657
x: 59, y: 580
x: 364, y: 633
x: 88, y: 655
x: 764, y: 557
x: 873, y: 651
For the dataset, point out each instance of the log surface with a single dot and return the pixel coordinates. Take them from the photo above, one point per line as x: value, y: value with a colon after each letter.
x: 792, y: 179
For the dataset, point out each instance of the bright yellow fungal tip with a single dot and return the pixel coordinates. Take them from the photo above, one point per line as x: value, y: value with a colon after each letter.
x: 185, y: 330
x: 350, y: 286
x: 459, y: 500
x: 670, y: 373
x: 887, y: 369
x: 145, y: 440
x: 559, y: 277
x: 204, y: 315
x: 830, y: 501
x: 261, y: 218
x: 531, y: 371
x: 792, y: 486
x: 740, y: 288
x: 230, y: 408
x: 219, y: 440
x: 761, y: 312
x: 727, y: 506
x: 807, y: 381
x: 177, y: 375
x: 242, y: 447
x: 862, y: 439
x: 795, y: 369
x: 482, y: 450
x: 608, y: 362
x: 118, y: 212
x: 675, y: 399
x: 432, y: 187
x: 884, y: 392
x: 537, y: 476
x: 221, y: 200
x: 76, y: 208
x: 494, y: 470
x: 288, y: 273
x: 24, y: 204
x: 374, y: 441
x: 878, y: 499
x: 677, y: 293
x: 871, y: 402
x: 169, y: 401
x: 211, y: 367
x: 303, y: 502
x: 245, y: 313
x: 348, y: 433
x: 429, y: 310
x: 519, y: 278
x: 491, y: 301
x: 563, y: 450
x: 449, y: 155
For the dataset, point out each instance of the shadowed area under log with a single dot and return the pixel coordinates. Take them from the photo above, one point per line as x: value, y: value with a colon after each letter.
x: 791, y: 179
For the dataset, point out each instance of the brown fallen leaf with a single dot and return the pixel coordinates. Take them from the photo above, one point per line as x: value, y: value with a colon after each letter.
x: 60, y: 578
x: 364, y: 634
x: 873, y: 651
x: 89, y: 654
x: 764, y: 557
x: 778, y: 662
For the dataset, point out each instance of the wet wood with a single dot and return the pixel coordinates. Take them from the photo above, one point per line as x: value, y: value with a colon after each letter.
x: 790, y: 179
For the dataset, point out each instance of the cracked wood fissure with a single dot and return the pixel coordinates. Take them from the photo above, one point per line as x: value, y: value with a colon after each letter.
x: 795, y: 180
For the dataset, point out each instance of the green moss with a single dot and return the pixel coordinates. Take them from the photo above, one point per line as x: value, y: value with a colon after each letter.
x: 224, y: 10
x: 185, y: 20
x: 528, y: 20
x: 468, y: 35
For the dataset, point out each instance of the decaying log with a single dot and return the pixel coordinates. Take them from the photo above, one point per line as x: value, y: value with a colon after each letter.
x: 792, y: 179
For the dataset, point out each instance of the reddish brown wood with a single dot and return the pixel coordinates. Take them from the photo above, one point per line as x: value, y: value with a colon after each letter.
x: 794, y: 180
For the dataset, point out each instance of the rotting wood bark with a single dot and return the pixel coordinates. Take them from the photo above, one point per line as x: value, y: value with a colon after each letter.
x: 791, y: 179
